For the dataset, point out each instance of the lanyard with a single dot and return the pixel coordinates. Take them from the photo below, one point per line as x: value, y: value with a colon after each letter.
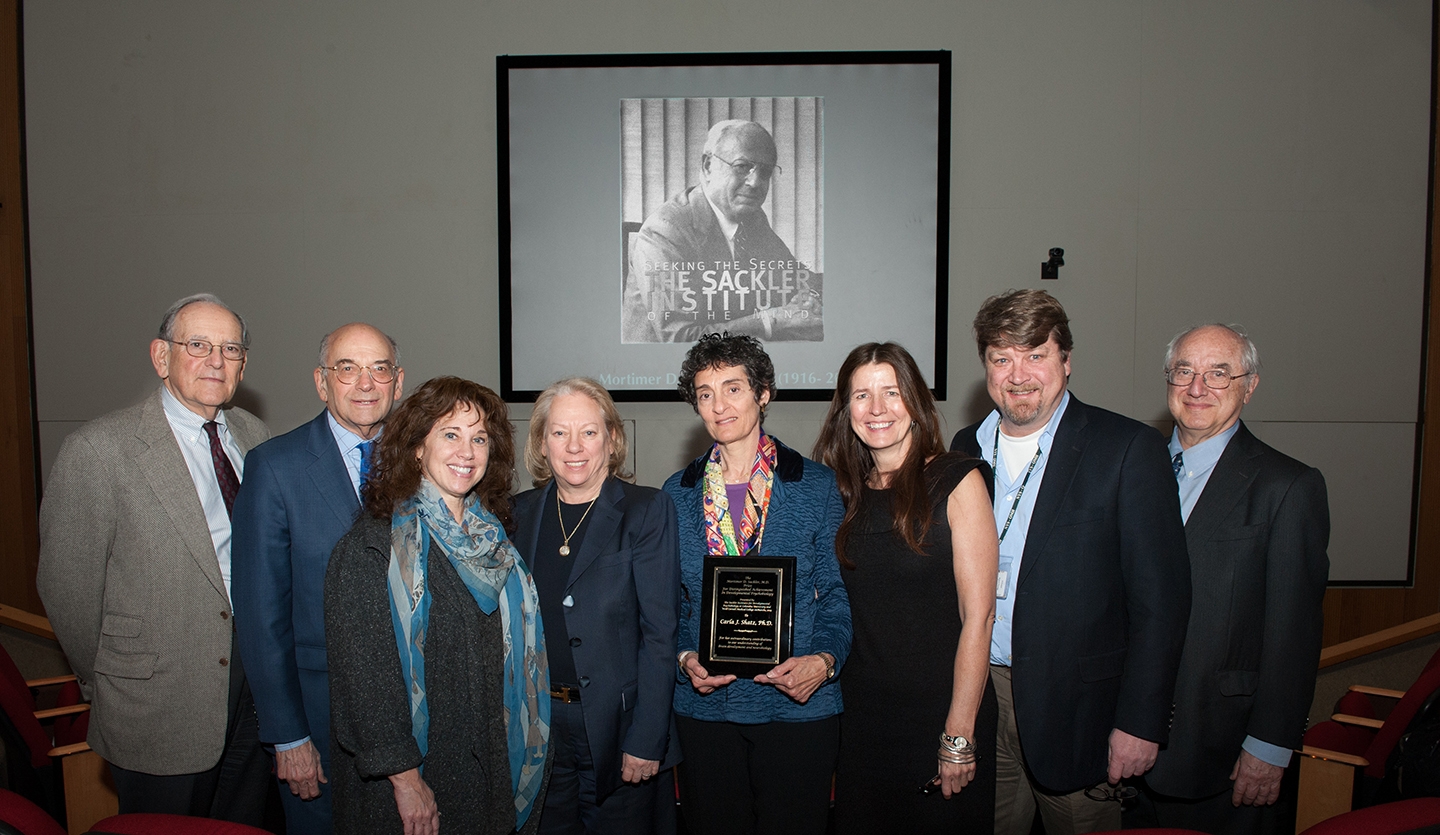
x: 994, y: 461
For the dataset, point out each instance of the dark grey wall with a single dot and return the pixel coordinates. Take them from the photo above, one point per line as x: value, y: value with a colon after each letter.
x: 318, y: 162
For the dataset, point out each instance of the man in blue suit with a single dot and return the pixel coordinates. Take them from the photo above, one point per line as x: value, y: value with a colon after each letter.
x: 300, y: 495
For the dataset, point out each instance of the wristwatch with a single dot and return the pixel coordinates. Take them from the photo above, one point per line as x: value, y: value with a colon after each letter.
x: 958, y: 743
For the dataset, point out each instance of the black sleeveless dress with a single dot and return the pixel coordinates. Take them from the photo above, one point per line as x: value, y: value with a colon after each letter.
x: 897, y: 679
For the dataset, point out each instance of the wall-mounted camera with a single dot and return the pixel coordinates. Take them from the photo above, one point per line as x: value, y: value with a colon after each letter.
x: 1051, y: 268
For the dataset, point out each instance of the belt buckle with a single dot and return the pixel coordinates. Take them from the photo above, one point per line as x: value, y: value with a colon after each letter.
x: 565, y: 693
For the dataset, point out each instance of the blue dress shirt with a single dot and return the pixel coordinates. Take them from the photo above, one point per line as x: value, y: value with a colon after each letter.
x: 349, y: 444
x: 1199, y: 462
x: 1012, y: 548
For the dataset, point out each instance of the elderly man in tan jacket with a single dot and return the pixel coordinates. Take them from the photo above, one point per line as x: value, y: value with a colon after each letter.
x: 135, y: 571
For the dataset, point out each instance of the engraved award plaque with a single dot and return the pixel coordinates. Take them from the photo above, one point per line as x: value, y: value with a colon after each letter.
x: 747, y: 617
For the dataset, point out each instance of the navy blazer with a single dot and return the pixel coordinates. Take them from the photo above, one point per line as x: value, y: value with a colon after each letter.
x: 295, y: 504
x: 625, y: 591
x: 1102, y: 597
x: 1257, y: 538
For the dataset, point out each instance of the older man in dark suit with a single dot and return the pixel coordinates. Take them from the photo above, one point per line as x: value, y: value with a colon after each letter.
x: 301, y: 494
x: 1094, y: 586
x: 135, y: 576
x: 1257, y: 523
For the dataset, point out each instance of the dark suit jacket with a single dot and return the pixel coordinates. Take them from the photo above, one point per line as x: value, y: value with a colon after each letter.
x: 131, y: 583
x: 296, y: 503
x: 1257, y: 539
x: 1102, y: 597
x: 625, y: 584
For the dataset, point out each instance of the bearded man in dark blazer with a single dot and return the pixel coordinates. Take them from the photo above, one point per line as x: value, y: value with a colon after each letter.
x: 135, y: 576
x: 1094, y: 586
x: 1257, y: 523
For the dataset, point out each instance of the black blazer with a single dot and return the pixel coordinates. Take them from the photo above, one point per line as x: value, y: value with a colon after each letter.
x: 625, y: 584
x: 1257, y: 540
x: 1102, y: 597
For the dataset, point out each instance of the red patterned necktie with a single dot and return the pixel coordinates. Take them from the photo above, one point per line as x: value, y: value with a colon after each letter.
x: 224, y: 471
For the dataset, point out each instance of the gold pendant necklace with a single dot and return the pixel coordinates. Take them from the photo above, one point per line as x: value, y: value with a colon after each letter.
x: 565, y: 545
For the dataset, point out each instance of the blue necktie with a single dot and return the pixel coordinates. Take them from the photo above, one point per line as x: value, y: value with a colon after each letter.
x: 1177, y: 465
x: 366, y: 447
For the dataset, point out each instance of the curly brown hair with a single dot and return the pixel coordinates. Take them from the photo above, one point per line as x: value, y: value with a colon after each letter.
x: 722, y: 350
x: 395, y: 471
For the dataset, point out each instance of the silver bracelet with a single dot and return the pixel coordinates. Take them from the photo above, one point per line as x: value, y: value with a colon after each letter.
x: 946, y: 756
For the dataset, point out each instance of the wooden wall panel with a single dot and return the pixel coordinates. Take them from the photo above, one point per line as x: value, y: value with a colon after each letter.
x: 19, y: 537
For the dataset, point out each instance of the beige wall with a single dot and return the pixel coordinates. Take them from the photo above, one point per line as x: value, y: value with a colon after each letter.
x: 318, y: 162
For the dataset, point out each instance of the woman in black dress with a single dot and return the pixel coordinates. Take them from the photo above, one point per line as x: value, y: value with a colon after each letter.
x: 918, y: 543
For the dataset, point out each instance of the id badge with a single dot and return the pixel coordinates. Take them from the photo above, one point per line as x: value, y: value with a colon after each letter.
x: 1002, y: 580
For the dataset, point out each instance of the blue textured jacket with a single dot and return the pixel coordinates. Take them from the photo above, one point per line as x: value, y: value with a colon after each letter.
x: 805, y: 512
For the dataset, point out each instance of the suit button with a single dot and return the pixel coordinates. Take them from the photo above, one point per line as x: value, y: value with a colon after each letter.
x: 574, y: 642
x: 568, y: 602
x: 224, y: 662
x: 584, y: 681
x: 224, y: 615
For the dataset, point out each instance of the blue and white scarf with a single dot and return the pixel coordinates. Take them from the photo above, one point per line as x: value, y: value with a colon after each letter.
x: 491, y: 569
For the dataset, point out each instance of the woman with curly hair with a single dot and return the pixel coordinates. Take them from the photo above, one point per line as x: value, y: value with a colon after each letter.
x: 759, y: 752
x: 439, y: 685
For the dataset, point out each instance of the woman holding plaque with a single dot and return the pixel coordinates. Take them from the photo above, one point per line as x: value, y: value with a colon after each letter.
x: 759, y: 738
x: 604, y: 556
x: 919, y: 550
x: 439, y: 694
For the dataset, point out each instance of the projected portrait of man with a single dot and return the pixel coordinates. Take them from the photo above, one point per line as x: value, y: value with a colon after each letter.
x: 708, y: 260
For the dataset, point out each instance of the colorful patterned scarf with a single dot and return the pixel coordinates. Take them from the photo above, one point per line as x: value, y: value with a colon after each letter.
x: 721, y: 536
x: 492, y: 571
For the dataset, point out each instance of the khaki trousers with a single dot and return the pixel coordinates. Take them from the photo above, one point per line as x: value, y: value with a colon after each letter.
x: 1017, y: 795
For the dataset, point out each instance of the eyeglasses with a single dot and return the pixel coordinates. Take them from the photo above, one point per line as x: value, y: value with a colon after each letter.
x: 1215, y: 378
x: 349, y: 372
x: 201, y: 349
x: 1119, y: 794
x: 742, y: 167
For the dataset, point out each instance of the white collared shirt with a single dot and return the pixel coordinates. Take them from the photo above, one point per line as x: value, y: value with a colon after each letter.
x: 194, y: 441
